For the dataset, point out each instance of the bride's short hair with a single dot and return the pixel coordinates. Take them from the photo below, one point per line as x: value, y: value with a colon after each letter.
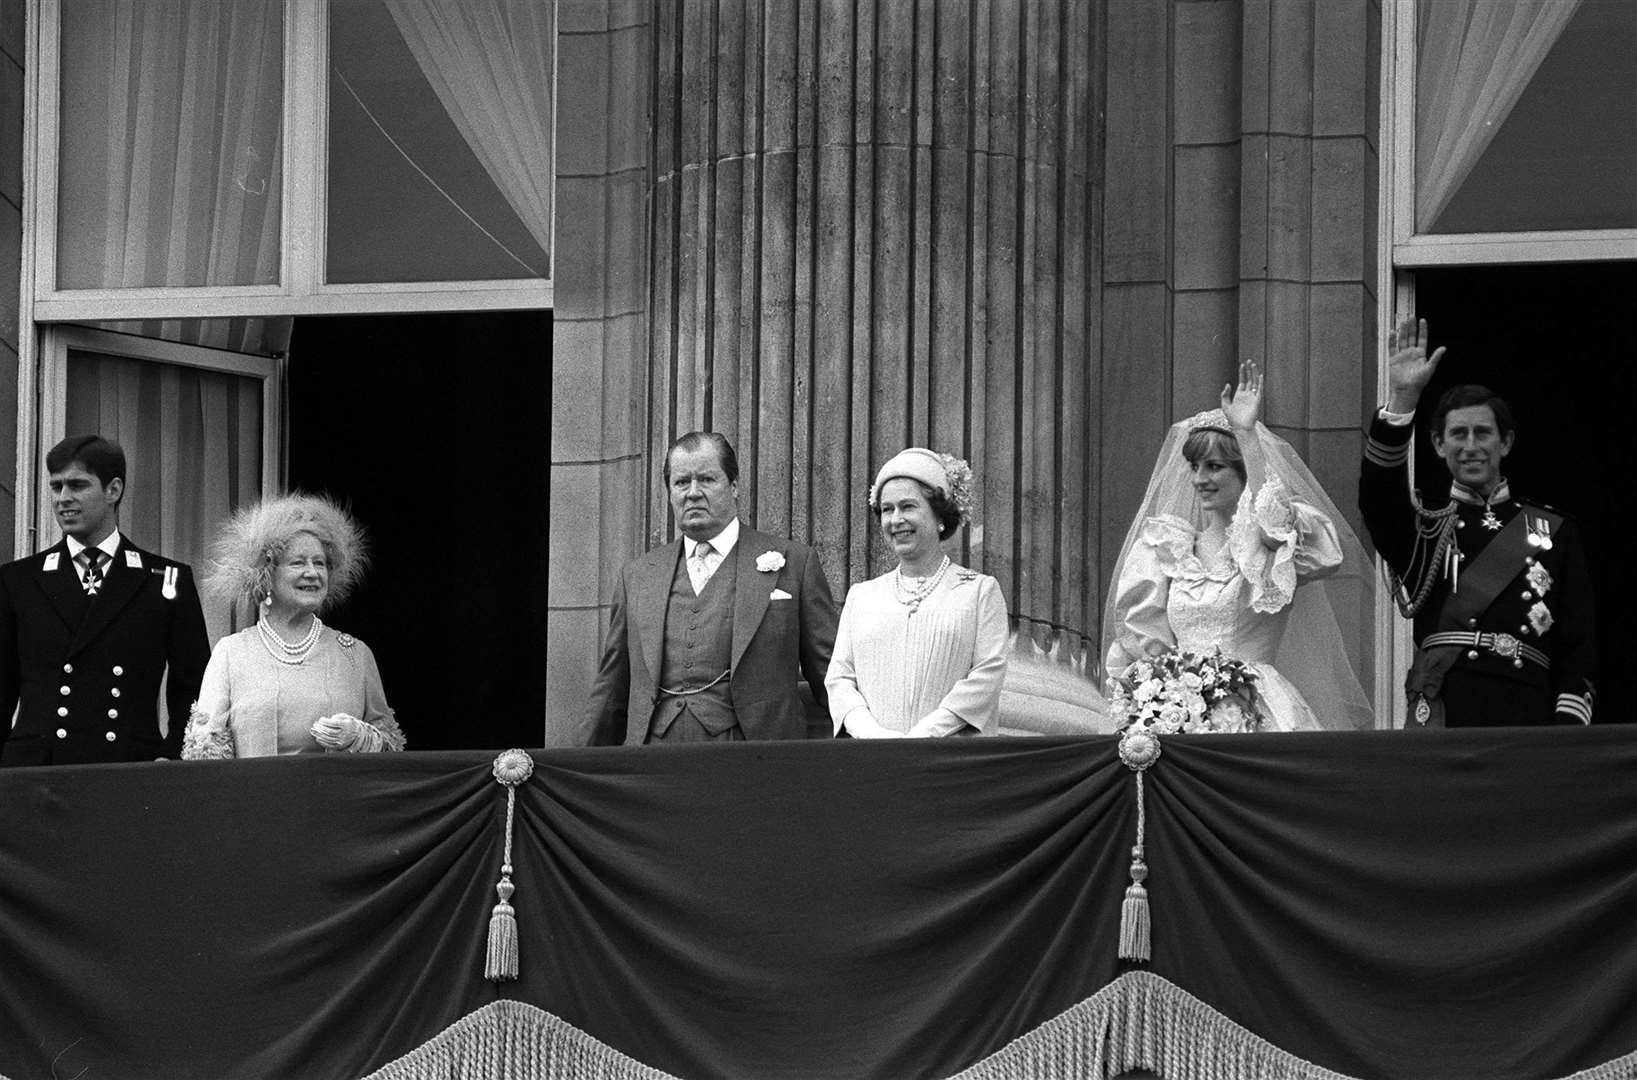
x: 1204, y: 442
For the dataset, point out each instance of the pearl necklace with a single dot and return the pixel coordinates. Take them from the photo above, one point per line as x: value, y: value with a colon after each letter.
x: 283, y: 651
x: 912, y: 595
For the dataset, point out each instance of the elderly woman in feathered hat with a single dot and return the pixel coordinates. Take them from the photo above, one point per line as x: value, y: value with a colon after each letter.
x: 921, y: 650
x: 289, y: 684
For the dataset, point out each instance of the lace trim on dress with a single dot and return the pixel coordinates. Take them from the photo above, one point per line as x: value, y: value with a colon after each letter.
x: 392, y: 736
x: 201, y: 742
x: 1267, y: 513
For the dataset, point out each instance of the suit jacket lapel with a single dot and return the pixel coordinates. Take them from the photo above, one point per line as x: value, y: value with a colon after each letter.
x: 121, y: 583
x: 62, y: 587
x: 653, y: 588
x: 751, y: 590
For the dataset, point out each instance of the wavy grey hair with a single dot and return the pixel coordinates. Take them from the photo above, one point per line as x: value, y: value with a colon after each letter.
x: 257, y: 536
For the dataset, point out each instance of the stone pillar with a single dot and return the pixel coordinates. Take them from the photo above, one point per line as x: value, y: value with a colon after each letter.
x: 599, y: 463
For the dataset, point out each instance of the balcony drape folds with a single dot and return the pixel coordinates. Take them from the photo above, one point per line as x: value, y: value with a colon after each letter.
x: 1365, y: 904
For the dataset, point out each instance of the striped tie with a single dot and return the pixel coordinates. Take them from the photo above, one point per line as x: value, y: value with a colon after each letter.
x: 91, y: 559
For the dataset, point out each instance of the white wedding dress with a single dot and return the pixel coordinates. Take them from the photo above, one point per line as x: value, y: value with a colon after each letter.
x: 1172, y: 594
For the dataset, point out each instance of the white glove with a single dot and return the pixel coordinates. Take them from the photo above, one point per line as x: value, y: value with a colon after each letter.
x: 344, y: 732
x: 861, y: 725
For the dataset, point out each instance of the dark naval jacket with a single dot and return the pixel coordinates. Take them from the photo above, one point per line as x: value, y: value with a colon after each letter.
x: 1529, y: 656
x: 83, y: 673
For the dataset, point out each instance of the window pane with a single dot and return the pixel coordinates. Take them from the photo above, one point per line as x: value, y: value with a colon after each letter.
x: 170, y: 143
x: 1526, y: 116
x: 440, y: 134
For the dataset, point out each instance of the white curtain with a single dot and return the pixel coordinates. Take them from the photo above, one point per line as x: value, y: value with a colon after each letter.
x: 490, y: 63
x: 1476, y: 57
x: 171, y: 153
x: 192, y: 440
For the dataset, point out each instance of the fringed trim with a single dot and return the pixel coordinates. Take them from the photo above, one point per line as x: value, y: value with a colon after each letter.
x: 1621, y: 1068
x: 1138, y: 1021
x: 510, y: 1040
x: 1142, y: 1021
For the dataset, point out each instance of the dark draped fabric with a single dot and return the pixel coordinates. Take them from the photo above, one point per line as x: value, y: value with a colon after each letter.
x: 1459, y: 904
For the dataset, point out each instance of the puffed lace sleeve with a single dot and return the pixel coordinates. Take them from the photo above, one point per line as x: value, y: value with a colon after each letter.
x: 377, y: 713
x: 1278, y: 543
x: 1142, y: 590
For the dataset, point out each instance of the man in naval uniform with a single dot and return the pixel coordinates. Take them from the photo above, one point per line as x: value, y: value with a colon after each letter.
x: 89, y: 626
x: 1498, y: 586
x: 706, y: 634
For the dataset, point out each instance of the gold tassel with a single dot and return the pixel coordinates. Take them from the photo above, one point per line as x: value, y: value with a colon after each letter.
x: 1134, y: 936
x: 1139, y: 748
x: 502, y: 963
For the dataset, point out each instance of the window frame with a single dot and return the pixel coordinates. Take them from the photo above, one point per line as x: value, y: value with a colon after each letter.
x: 301, y: 289
x: 1410, y: 249
x: 35, y: 520
x: 1401, y: 253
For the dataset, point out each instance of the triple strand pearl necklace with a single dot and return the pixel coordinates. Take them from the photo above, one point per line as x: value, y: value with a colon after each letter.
x: 283, y: 651
x: 912, y: 595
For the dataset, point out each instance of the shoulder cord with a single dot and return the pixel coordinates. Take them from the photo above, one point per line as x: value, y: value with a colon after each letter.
x: 1434, y: 527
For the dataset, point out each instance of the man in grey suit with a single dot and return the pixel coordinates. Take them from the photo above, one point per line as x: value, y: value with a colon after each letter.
x: 707, y: 633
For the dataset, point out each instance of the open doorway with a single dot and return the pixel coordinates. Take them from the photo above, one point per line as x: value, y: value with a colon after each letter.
x: 436, y: 429
x: 1556, y: 341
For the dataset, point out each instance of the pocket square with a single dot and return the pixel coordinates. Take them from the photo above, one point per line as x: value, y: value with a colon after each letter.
x: 779, y: 594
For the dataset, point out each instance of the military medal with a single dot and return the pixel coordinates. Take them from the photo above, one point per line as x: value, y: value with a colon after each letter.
x: 168, y: 589
x: 1490, y: 521
x: 1540, y: 532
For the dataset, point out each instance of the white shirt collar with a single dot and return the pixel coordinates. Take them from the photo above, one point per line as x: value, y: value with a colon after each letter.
x: 109, y: 545
x: 721, y: 543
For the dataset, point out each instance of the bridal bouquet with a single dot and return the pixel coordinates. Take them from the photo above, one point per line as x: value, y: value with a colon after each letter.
x: 1183, y: 693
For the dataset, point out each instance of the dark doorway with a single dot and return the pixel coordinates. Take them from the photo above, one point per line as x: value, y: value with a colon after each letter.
x: 436, y: 429
x: 1557, y: 342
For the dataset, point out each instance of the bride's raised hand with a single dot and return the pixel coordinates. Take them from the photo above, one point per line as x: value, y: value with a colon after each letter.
x: 1243, y: 406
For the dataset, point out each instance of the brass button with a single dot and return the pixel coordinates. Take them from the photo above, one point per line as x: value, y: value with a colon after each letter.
x: 68, y: 669
x: 1472, y: 654
x: 113, y: 714
x: 1527, y: 595
x: 62, y: 710
x: 118, y: 670
x: 1472, y: 621
x: 110, y: 736
x: 65, y: 690
x: 114, y: 691
x: 62, y: 733
x: 1518, y: 662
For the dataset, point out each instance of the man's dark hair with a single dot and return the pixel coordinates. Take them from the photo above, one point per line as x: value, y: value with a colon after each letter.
x: 698, y: 440
x: 1467, y: 395
x: 100, y: 457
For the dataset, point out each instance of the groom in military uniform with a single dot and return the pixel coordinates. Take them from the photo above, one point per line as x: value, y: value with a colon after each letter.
x: 1498, y: 586
x: 89, y: 627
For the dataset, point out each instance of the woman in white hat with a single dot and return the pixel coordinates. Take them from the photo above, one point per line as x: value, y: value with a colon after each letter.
x: 920, y: 650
